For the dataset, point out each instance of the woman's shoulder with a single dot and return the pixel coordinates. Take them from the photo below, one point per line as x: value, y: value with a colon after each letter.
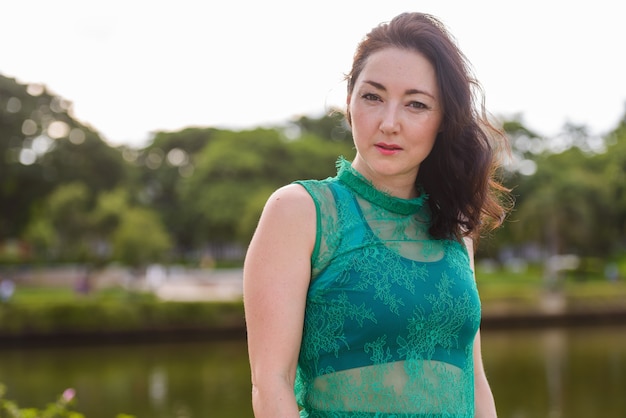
x: 290, y: 202
x: 287, y: 223
x: 292, y: 194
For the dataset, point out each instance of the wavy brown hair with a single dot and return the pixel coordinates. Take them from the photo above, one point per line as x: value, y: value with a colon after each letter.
x: 459, y: 173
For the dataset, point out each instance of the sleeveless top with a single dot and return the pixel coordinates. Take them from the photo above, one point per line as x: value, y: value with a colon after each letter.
x: 391, y: 313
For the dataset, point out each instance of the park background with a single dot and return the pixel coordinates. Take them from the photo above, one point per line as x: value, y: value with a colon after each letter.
x: 137, y: 249
x: 120, y: 261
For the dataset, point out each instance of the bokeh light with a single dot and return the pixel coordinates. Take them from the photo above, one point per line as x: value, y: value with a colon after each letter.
x: 29, y: 127
x: 27, y: 156
x: 58, y: 129
x: 42, y: 144
x: 177, y: 157
x: 154, y: 159
x: 14, y: 105
x: 35, y: 89
x: 77, y: 136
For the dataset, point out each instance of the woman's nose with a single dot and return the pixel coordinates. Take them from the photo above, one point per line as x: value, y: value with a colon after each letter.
x: 390, y: 122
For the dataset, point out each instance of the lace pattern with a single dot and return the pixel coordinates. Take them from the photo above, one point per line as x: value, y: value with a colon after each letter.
x: 391, y: 314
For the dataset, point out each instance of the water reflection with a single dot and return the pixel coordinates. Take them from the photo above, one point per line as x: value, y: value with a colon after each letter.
x: 174, y: 380
x: 556, y: 373
x: 554, y: 344
x: 157, y: 386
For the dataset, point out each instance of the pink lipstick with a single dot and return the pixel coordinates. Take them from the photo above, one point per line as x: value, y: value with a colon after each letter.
x: 387, y: 149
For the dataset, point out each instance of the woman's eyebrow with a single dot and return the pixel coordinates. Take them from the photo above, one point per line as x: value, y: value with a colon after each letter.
x: 375, y: 85
x: 408, y: 92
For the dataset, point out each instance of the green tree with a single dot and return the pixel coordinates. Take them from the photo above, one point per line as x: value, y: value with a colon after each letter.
x: 613, y: 164
x: 60, y: 227
x: 565, y: 191
x: 236, y: 172
x: 563, y: 208
x: 230, y: 169
x: 68, y: 228
x: 566, y: 205
x: 163, y: 167
x: 140, y: 238
x: 42, y: 147
x: 329, y: 127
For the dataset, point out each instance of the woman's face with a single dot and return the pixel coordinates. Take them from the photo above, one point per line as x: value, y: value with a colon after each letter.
x: 395, y: 116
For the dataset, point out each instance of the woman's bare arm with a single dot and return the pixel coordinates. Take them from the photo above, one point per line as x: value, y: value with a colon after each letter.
x: 483, y: 397
x: 277, y: 273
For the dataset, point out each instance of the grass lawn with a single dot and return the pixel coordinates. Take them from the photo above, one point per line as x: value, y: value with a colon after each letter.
x: 46, y: 295
x: 500, y: 289
x: 524, y: 290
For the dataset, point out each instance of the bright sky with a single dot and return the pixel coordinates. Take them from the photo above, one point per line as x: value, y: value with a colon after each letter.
x: 131, y: 67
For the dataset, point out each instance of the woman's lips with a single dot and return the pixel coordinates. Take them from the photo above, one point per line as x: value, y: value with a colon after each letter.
x: 387, y: 149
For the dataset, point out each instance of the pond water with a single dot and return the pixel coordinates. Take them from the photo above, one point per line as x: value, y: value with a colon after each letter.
x: 551, y: 373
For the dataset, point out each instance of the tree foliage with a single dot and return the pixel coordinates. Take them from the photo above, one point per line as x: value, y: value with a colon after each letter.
x: 69, y: 195
x: 41, y: 147
x: 570, y: 202
x: 140, y: 238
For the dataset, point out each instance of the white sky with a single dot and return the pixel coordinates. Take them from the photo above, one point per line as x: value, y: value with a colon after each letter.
x: 131, y: 67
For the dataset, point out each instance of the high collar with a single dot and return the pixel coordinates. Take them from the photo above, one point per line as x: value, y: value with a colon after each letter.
x: 365, y: 189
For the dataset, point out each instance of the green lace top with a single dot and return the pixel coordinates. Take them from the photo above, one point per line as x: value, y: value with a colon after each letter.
x: 391, y: 313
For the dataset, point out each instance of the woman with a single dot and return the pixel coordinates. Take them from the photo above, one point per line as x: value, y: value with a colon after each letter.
x: 359, y: 291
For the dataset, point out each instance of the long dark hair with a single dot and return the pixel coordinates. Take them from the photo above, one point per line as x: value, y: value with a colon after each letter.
x: 459, y: 173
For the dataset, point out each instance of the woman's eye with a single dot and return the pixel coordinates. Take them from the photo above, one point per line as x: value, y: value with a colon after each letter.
x: 371, y: 97
x: 418, y: 105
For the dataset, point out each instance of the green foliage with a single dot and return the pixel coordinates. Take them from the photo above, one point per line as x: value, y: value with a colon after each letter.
x: 569, y: 204
x: 126, y: 313
x: 59, y: 409
x: 238, y: 170
x: 62, y: 408
x: 63, y: 223
x: 562, y: 203
x: 508, y: 290
x: 331, y: 127
x: 614, y: 169
x: 110, y: 207
x: 41, y: 236
x: 69, y: 228
x: 66, y: 195
x: 43, y: 146
x: 251, y: 213
x: 140, y: 238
